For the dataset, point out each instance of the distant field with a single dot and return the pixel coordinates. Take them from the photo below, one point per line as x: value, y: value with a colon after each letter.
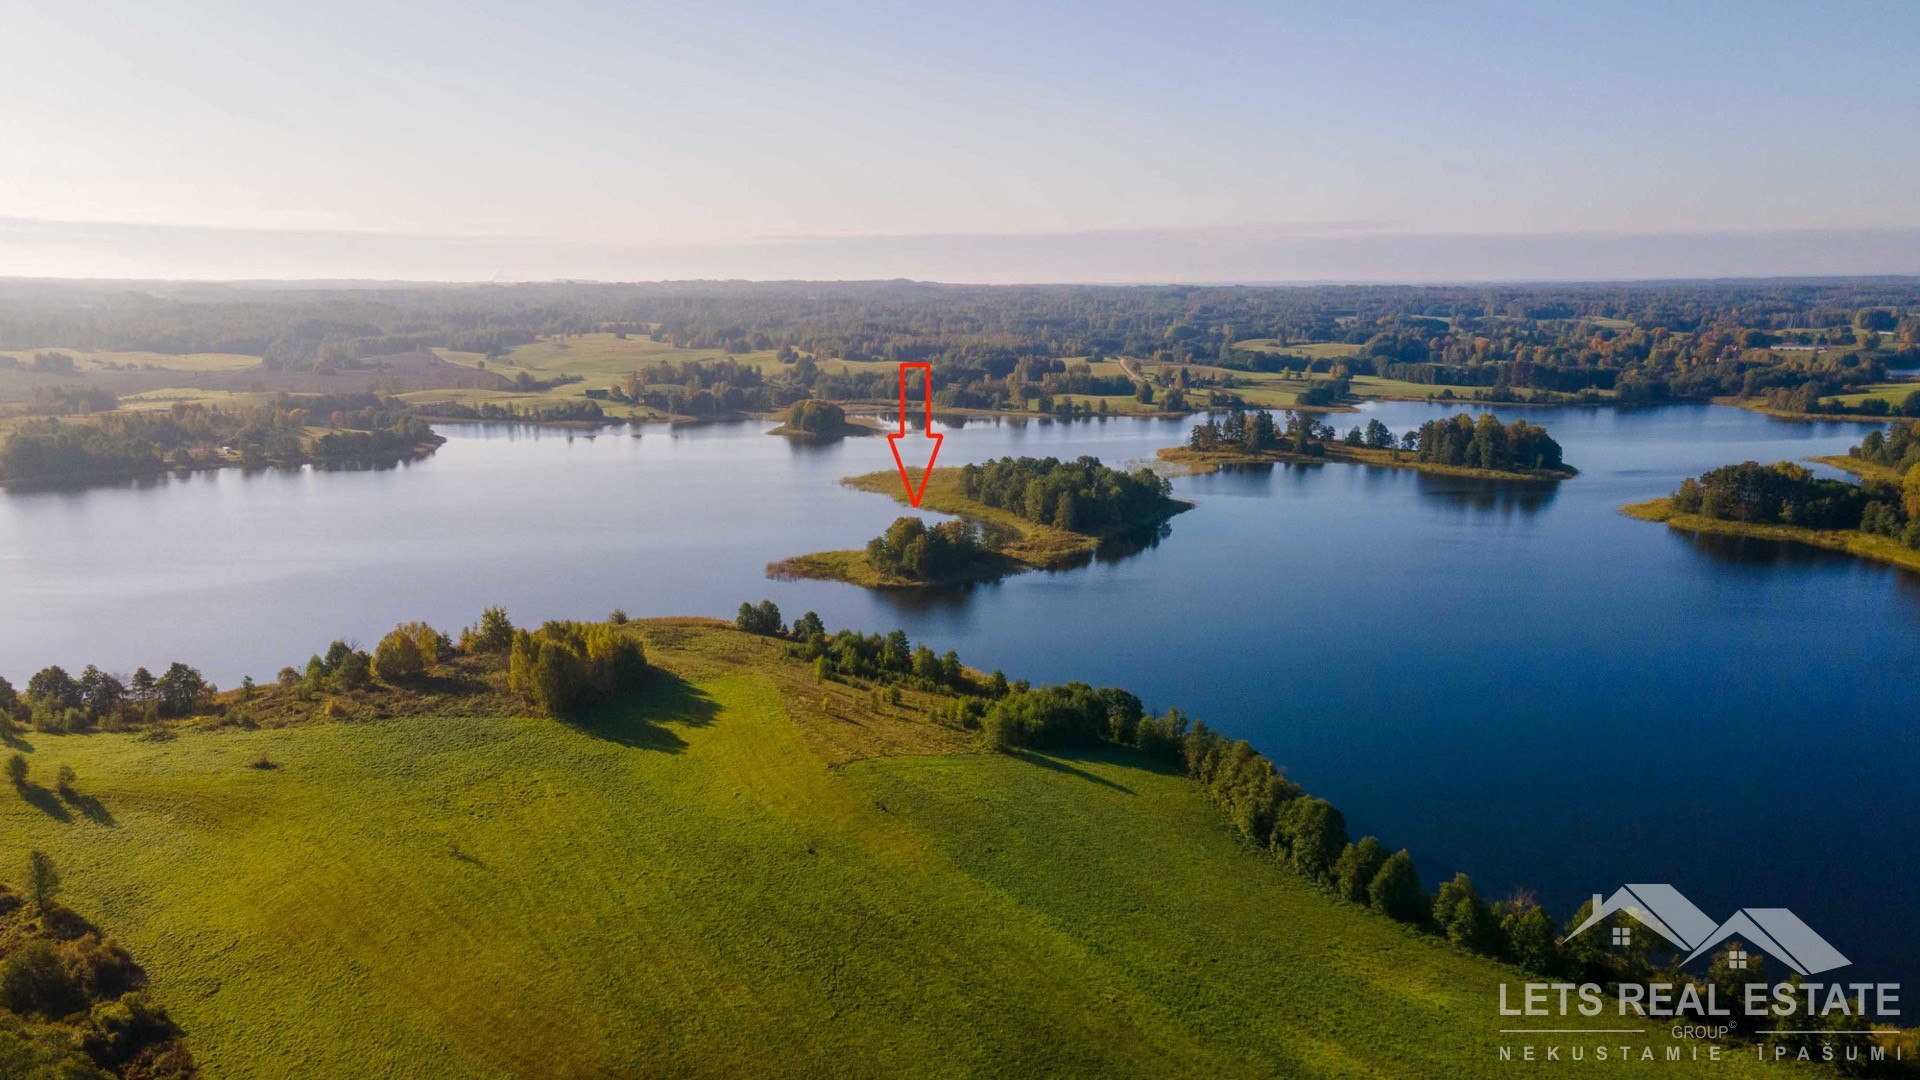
x: 1319, y: 350
x: 1894, y: 394
x: 742, y: 873
x: 196, y: 362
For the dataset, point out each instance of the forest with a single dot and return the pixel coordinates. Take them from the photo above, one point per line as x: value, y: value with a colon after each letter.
x: 910, y: 549
x: 1486, y: 444
x: 1081, y: 496
x: 1788, y: 494
x: 1642, y: 342
x: 189, y: 434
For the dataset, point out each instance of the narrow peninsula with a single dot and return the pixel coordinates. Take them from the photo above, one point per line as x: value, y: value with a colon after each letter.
x: 1877, y: 518
x: 1458, y: 445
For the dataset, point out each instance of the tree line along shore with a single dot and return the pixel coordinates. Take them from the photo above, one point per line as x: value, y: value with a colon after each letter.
x: 1876, y: 517
x: 840, y: 735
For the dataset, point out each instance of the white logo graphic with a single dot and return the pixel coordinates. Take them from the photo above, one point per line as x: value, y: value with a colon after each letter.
x: 1661, y: 909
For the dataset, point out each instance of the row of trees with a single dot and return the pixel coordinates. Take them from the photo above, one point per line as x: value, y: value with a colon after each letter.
x: 56, y: 701
x: 1309, y: 836
x: 850, y: 654
x: 1080, y: 495
x: 1255, y: 431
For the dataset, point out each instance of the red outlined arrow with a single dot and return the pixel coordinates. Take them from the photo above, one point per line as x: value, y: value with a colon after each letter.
x: 929, y: 445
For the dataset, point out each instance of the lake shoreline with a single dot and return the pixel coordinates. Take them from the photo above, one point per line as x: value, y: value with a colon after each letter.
x: 1863, y: 545
x: 1201, y: 462
x: 1031, y: 546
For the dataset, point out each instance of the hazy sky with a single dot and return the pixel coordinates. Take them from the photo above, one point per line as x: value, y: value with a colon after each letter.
x: 1108, y: 142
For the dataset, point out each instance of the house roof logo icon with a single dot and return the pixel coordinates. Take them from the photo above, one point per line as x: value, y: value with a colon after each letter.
x: 1663, y: 910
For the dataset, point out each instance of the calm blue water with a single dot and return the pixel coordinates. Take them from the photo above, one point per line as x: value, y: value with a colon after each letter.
x: 1510, y: 680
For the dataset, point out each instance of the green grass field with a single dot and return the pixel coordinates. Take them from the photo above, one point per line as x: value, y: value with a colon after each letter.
x: 1894, y: 394
x: 1319, y: 350
x: 743, y: 873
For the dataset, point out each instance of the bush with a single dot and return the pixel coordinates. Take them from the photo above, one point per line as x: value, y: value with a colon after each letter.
x: 397, y: 658
x: 492, y: 634
x: 34, y: 980
x: 565, y: 667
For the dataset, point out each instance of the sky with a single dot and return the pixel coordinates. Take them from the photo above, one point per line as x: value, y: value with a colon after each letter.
x: 979, y: 141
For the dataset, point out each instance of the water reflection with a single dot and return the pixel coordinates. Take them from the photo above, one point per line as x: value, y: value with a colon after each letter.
x: 1500, y: 497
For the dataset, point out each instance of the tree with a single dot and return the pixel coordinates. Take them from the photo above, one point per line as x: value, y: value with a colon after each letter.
x: 17, y: 770
x: 809, y: 626
x: 492, y: 634
x: 1529, y: 935
x: 397, y: 658
x: 1356, y: 868
x: 43, y: 881
x: 1315, y: 835
x: 762, y: 618
x: 1458, y: 912
x: 1396, y: 891
x: 1733, y: 967
x: 181, y: 689
x: 52, y: 687
x: 559, y: 679
x: 66, y: 779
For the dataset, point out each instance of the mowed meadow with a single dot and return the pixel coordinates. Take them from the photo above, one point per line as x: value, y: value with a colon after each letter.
x: 744, y: 872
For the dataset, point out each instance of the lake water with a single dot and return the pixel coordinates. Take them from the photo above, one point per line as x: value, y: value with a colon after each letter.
x: 1512, y: 680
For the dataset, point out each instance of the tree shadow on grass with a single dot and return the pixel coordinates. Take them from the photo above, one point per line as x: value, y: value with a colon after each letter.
x: 43, y: 800
x: 90, y: 808
x: 1057, y: 765
x: 12, y: 740
x: 640, y: 719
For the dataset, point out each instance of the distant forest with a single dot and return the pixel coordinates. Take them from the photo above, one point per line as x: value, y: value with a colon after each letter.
x: 1647, y: 341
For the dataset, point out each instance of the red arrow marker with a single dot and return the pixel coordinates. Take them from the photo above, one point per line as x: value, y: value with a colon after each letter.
x: 929, y: 445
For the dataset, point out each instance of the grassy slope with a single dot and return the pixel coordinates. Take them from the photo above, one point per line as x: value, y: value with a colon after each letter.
x: 1851, y: 541
x: 703, y: 885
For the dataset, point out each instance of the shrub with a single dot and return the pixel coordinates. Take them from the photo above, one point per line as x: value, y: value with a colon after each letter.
x: 397, y: 658
x: 34, y: 980
x: 492, y: 634
x: 17, y: 769
x: 354, y: 672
